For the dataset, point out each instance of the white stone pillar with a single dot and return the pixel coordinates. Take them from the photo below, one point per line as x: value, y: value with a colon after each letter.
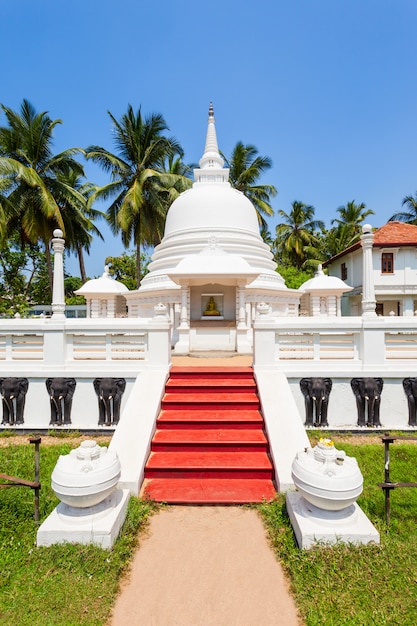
x: 368, y: 289
x: 184, y: 322
x: 95, y: 307
x: 338, y: 306
x: 408, y: 306
x: 315, y: 305
x: 111, y: 307
x: 58, y: 291
x: 241, y: 319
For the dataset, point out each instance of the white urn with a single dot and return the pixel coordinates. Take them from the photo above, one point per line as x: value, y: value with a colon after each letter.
x: 327, y: 477
x: 86, y: 476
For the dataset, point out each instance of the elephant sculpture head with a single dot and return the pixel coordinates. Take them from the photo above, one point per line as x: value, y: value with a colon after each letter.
x: 316, y: 392
x: 410, y: 389
x: 13, y: 392
x: 61, y: 392
x: 109, y: 393
x: 368, y: 399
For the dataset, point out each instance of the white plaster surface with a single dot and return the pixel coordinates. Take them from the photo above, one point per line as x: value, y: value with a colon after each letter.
x: 99, y: 524
x: 312, y: 525
x: 283, y: 423
x: 342, y: 412
x: 133, y: 435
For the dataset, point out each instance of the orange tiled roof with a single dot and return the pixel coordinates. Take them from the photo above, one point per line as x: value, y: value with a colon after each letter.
x: 392, y: 234
x: 396, y: 234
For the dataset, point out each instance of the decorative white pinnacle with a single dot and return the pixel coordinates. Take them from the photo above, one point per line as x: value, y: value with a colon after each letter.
x: 211, y: 157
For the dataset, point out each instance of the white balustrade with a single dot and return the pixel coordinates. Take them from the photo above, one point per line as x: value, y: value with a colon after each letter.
x: 64, y: 343
x: 356, y: 342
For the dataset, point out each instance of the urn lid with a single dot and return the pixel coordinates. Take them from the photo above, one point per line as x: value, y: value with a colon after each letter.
x: 328, y: 467
x: 87, y: 465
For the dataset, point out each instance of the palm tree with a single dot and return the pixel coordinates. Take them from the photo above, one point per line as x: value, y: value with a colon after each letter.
x: 410, y: 216
x: 245, y: 169
x: 175, y: 178
x: 352, y: 213
x: 348, y: 227
x: 139, y: 184
x: 79, y: 220
x: 339, y: 238
x: 30, y: 171
x: 297, y: 235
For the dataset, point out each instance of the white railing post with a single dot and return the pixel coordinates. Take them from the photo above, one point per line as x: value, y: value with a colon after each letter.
x: 264, y: 337
x: 54, y: 345
x: 58, y: 291
x: 159, y: 338
x: 372, y: 344
x: 368, y: 289
x: 316, y: 346
x: 8, y: 347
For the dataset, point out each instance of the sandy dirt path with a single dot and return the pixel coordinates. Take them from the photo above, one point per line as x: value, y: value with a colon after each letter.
x: 205, y: 566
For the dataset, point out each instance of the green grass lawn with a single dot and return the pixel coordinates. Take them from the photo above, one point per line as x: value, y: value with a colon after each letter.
x: 342, y: 585
x: 347, y: 585
x: 61, y: 584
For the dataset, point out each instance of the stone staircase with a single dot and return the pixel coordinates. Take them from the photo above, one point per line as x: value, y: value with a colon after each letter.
x: 209, y: 446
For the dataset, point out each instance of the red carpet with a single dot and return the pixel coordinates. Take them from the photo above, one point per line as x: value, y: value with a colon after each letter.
x: 210, y: 446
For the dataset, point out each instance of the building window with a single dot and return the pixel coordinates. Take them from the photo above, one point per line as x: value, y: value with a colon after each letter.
x: 387, y: 263
x: 343, y: 271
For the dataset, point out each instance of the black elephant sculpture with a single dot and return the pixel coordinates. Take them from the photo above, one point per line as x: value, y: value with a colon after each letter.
x: 61, y: 392
x: 368, y: 399
x: 13, y: 392
x: 410, y: 388
x: 109, y: 393
x: 316, y: 392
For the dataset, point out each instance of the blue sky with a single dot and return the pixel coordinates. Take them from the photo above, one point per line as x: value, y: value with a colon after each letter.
x: 326, y: 88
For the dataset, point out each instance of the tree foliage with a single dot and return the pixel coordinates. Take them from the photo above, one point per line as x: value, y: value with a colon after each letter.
x: 246, y: 167
x: 409, y: 216
x: 298, y: 237
x: 123, y: 268
x: 140, y: 185
x: 23, y: 278
x: 36, y: 190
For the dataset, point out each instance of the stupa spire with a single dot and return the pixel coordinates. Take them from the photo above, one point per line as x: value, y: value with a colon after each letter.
x: 211, y: 159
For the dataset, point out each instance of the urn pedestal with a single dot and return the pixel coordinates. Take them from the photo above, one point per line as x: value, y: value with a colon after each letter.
x: 92, y: 509
x: 324, y: 509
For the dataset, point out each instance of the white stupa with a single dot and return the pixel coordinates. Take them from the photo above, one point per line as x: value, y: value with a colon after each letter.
x: 104, y: 296
x: 322, y: 295
x: 212, y: 267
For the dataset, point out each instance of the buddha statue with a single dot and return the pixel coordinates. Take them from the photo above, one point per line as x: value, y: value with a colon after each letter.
x: 211, y: 308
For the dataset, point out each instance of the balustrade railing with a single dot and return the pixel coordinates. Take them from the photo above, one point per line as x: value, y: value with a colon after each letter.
x: 341, y: 341
x: 84, y: 340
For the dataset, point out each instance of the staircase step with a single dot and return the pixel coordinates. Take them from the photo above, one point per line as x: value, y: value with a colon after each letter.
x: 209, y: 373
x: 209, y: 446
x: 200, y: 385
x: 212, y: 417
x: 214, y: 399
x: 232, y: 440
x: 208, y: 491
x: 209, y: 464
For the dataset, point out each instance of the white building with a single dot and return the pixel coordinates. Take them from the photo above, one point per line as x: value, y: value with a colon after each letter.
x: 394, y: 260
x: 212, y: 251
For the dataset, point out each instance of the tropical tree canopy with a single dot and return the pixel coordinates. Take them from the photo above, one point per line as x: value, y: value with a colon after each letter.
x: 246, y: 167
x: 140, y: 187
x: 298, y: 236
x: 79, y: 224
x: 409, y: 216
x: 348, y: 227
x: 32, y: 190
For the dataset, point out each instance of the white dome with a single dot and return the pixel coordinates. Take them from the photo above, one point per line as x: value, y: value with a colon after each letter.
x: 323, y: 283
x: 212, y: 230
x: 105, y: 285
x: 211, y: 205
